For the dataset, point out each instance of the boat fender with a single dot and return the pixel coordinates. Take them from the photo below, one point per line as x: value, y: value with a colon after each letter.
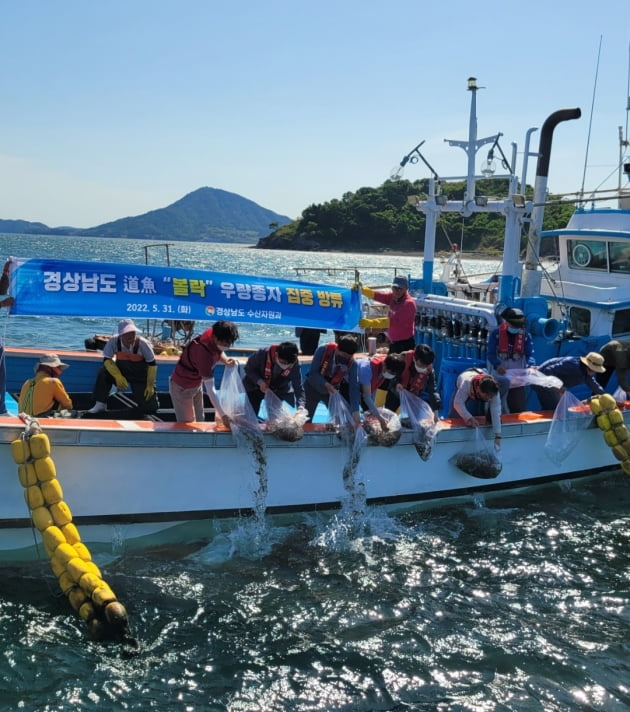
x: 610, y: 421
x: 70, y: 559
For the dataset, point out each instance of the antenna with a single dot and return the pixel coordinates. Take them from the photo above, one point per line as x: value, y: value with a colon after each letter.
x: 590, y: 122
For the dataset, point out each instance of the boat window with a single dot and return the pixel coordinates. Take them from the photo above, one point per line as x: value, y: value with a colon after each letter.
x: 580, y: 321
x: 621, y: 323
x: 619, y: 255
x: 587, y: 254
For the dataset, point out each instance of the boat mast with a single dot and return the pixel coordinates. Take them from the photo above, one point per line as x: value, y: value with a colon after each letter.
x: 512, y: 208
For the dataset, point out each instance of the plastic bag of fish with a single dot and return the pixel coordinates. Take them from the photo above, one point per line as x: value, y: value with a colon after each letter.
x: 379, y: 436
x: 418, y: 416
x: 477, y: 459
x: 282, y: 421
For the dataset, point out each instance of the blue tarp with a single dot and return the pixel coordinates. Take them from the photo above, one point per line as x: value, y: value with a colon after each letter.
x: 44, y: 287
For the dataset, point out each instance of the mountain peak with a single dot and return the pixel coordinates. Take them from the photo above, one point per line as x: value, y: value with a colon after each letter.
x: 206, y: 215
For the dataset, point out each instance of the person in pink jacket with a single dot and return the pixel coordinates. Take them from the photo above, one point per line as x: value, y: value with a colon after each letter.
x: 401, y: 314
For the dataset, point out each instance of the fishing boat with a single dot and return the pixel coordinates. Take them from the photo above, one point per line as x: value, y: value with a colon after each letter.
x: 143, y: 482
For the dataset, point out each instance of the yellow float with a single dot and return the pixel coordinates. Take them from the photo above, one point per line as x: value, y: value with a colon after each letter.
x: 71, y: 562
x: 610, y: 421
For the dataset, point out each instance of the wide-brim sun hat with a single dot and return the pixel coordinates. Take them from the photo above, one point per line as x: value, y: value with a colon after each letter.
x: 52, y: 361
x: 593, y: 361
x: 125, y: 326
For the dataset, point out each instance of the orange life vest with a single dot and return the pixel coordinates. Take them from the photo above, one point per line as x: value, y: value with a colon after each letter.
x: 510, y: 345
x: 416, y: 383
x: 269, y: 364
x: 340, y: 370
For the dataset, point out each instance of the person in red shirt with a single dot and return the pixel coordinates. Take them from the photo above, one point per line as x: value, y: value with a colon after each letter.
x: 196, y: 366
x: 401, y: 314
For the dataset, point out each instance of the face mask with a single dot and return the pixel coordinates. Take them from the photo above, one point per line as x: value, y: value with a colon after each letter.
x: 387, y: 375
x: 512, y: 330
x: 420, y: 369
x: 342, y: 359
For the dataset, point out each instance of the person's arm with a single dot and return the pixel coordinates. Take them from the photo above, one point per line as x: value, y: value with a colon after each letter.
x: 254, y: 370
x: 530, y: 359
x: 314, y: 376
x: 495, y: 416
x: 596, y: 388
x: 462, y: 394
x: 61, y: 396
x: 492, y: 357
x: 298, y: 386
x: 434, y: 394
x: 115, y: 373
x: 353, y: 391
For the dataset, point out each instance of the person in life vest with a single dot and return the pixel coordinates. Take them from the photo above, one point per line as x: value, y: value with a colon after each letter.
x: 128, y: 360
x: 572, y: 371
x: 195, y: 369
x: 333, y: 368
x: 476, y: 391
x: 375, y: 374
x: 418, y: 378
x: 45, y: 394
x: 274, y: 368
x: 510, y: 346
x: 401, y: 314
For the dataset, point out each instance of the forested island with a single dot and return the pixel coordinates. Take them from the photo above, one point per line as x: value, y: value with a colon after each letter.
x: 382, y: 219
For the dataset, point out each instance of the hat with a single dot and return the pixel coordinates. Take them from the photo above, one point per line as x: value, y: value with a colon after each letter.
x: 594, y: 361
x: 125, y: 326
x: 513, y: 316
x: 52, y: 361
x: 400, y: 282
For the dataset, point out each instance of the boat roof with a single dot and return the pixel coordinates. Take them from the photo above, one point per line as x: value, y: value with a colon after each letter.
x: 590, y: 232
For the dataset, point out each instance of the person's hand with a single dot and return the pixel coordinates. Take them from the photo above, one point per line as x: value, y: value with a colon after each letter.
x: 264, y: 387
x: 497, y: 442
x: 331, y: 389
x: 384, y: 425
x: 229, y: 362
x: 471, y: 422
x: 399, y: 388
x: 225, y: 419
x: 121, y: 383
x: 356, y: 286
x: 149, y: 392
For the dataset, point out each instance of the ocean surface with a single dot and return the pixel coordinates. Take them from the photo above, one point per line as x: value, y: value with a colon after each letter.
x: 512, y: 603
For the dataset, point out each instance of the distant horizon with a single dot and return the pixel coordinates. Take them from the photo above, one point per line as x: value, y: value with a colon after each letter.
x: 92, y: 227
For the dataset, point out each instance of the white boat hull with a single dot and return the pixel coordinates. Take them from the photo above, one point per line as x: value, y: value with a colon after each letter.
x: 132, y: 483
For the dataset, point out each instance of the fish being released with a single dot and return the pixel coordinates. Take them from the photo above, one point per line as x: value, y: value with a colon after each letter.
x: 286, y: 425
x: 376, y: 434
x: 481, y: 464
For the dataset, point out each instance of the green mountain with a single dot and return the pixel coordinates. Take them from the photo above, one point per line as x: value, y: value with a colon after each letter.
x: 205, y: 215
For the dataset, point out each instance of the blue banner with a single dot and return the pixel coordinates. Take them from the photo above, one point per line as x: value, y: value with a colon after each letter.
x: 44, y: 287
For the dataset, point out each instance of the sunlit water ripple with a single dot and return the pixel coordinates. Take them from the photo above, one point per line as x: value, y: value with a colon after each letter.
x: 516, y: 603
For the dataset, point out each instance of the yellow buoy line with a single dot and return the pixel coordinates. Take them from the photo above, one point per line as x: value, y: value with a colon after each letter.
x: 610, y: 421
x: 71, y: 561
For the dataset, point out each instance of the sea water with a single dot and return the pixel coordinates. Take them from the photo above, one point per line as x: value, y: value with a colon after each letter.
x: 515, y: 603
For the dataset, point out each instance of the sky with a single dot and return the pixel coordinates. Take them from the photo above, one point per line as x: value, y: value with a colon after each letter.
x: 110, y: 109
